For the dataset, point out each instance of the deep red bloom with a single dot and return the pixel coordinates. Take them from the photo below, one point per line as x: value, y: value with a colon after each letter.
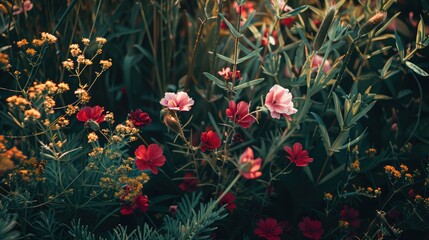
x: 149, y: 158
x: 311, y: 228
x: 209, y: 140
x: 189, y: 183
x: 288, y: 22
x: 239, y: 113
x: 269, y: 229
x: 141, y: 202
x: 91, y: 114
x: 139, y: 118
x: 228, y: 199
x: 297, y: 155
x: 350, y: 215
x: 172, y: 209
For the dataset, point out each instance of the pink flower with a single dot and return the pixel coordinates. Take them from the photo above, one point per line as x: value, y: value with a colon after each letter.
x: 249, y: 166
x: 269, y: 229
x: 297, y: 155
x: 141, y: 202
x: 28, y: 5
x: 239, y: 113
x: 279, y: 102
x: 149, y: 158
x: 228, y: 199
x: 179, y: 102
x: 209, y: 140
x: 317, y: 61
x: 228, y: 74
x: 311, y: 228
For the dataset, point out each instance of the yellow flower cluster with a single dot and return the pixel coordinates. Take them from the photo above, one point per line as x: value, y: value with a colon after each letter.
x: 328, y: 197
x: 369, y: 192
x: 4, y: 62
x: 390, y: 170
x: 398, y: 174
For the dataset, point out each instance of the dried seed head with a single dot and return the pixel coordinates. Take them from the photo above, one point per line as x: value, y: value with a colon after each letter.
x: 372, y: 23
x: 324, y: 27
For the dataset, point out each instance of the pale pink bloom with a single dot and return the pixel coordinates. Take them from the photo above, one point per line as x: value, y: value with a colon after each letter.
x: 281, y: 3
x: 28, y: 5
x: 180, y: 101
x: 279, y: 102
x: 317, y: 61
x: 249, y: 166
x: 225, y: 72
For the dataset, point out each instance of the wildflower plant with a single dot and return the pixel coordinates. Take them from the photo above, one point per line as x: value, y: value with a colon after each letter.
x: 213, y: 119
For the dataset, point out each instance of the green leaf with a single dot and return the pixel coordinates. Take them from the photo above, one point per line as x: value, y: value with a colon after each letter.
x: 399, y: 45
x: 386, y: 67
x: 294, y: 12
x: 248, y: 21
x: 225, y: 58
x: 341, y: 138
x: 386, y: 24
x: 416, y: 69
x: 248, y: 56
x: 353, y: 142
x: 332, y: 174
x: 362, y: 113
x: 420, y: 34
x: 308, y: 172
x: 323, y: 132
x: 216, y: 80
x: 338, y: 110
x: 233, y: 30
x: 249, y: 83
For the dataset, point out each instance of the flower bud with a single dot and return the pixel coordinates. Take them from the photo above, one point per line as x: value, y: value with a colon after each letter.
x: 172, y: 123
x: 93, y: 125
x: 356, y: 105
x: 324, y: 27
x: 372, y: 23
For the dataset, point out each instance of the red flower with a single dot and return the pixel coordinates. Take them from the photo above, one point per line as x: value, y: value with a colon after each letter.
x: 139, y: 118
x: 228, y: 199
x: 189, y: 183
x: 269, y: 229
x: 209, y: 140
x: 141, y: 202
x: 351, y: 216
x: 297, y: 155
x: 239, y: 113
x: 311, y: 228
x: 91, y: 114
x: 249, y: 167
x: 149, y: 158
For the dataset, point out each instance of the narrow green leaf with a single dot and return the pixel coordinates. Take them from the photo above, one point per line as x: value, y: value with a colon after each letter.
x: 420, y: 34
x: 233, y: 30
x: 332, y: 174
x: 248, y: 56
x: 248, y: 21
x: 416, y: 69
x: 225, y: 58
x: 308, y: 172
x: 323, y: 132
x: 214, y: 125
x: 216, y: 80
x: 386, y: 25
x: 338, y: 110
x: 399, y: 45
x: 340, y: 140
x: 249, y: 83
x: 294, y: 12
x: 362, y: 113
x: 353, y: 142
x: 386, y: 67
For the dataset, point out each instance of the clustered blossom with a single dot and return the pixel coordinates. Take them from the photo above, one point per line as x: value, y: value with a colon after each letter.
x: 91, y: 114
x: 209, y: 141
x: 350, y: 216
x: 279, y: 102
x: 311, y: 228
x: 149, y: 158
x: 178, y: 102
x: 297, y: 155
x: 249, y: 166
x: 239, y: 113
